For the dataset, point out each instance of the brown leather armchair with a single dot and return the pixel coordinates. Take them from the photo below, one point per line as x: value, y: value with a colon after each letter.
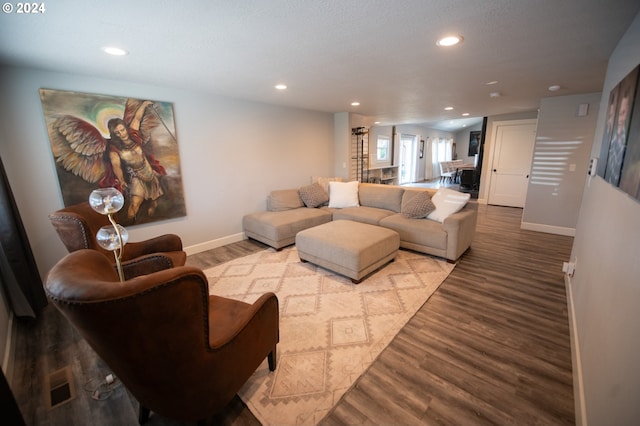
x: 182, y: 353
x: 77, y: 226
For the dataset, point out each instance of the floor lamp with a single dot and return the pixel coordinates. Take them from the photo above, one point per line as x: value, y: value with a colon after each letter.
x: 108, y: 201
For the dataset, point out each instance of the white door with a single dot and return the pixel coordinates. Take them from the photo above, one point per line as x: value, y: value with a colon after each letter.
x: 511, y: 165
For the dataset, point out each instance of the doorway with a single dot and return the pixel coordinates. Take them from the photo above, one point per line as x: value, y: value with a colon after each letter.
x: 511, y: 162
x: 408, y: 155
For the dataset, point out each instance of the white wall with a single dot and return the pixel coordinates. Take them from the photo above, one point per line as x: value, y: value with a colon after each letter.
x: 605, y: 290
x: 232, y: 154
x: 553, y: 200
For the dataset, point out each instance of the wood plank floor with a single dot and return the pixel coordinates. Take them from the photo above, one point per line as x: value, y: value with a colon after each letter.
x: 491, y: 346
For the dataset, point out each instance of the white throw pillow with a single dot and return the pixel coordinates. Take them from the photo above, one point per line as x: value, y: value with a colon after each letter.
x: 447, y: 202
x: 324, y: 181
x: 343, y: 194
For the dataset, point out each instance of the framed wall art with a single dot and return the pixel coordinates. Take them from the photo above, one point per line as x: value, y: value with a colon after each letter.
x: 102, y: 141
x: 474, y: 142
x: 630, y: 174
x: 619, y: 111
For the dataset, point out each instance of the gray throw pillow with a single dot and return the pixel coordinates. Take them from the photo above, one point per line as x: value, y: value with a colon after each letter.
x: 313, y: 195
x: 416, y: 204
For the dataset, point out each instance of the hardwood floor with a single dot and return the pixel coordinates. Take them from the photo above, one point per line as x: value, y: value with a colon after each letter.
x: 491, y: 346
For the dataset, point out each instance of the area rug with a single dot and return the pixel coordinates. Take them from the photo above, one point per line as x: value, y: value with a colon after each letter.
x: 331, y: 330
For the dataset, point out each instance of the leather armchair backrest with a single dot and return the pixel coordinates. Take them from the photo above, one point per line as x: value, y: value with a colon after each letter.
x: 78, y: 225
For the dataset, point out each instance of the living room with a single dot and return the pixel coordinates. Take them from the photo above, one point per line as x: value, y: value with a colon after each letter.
x: 234, y: 151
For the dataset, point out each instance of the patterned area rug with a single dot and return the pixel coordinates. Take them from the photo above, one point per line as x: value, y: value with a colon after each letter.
x: 330, y: 329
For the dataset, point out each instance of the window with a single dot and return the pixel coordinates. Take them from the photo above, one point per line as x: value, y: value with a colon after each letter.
x: 382, y: 148
x: 442, y: 149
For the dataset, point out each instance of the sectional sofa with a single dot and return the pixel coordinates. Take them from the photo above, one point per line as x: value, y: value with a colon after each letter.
x: 446, y: 231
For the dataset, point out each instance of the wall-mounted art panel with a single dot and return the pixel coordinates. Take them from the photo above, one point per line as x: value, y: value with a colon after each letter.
x: 109, y: 141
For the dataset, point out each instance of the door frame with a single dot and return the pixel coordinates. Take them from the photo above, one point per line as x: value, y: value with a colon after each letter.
x: 492, y: 145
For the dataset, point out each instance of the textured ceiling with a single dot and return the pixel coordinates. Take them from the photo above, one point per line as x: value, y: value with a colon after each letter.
x: 381, y: 53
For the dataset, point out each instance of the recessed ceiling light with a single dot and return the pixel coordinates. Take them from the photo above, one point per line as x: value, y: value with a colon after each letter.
x: 355, y: 103
x: 115, y: 51
x: 376, y: 122
x: 281, y: 86
x: 495, y: 94
x: 491, y: 83
x: 554, y: 88
x: 449, y: 108
x: 465, y: 114
x: 449, y: 41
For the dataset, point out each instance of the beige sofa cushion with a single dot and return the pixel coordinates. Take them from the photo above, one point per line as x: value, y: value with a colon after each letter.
x: 283, y: 200
x: 381, y: 196
x: 420, y: 232
x: 279, y: 229
x: 370, y: 215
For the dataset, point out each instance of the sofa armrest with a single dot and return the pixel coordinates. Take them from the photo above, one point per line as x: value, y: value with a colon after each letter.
x: 461, y: 229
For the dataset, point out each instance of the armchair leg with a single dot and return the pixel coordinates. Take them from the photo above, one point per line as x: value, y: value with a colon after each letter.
x: 272, y: 359
x: 143, y: 415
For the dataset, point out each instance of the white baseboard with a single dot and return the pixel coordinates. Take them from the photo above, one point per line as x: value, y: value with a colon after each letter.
x: 482, y: 201
x: 576, y: 364
x: 208, y: 245
x: 549, y: 229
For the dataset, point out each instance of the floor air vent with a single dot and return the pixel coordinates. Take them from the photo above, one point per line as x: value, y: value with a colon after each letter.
x: 60, y: 387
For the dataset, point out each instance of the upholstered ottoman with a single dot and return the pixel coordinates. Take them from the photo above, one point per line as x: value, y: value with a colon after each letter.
x: 349, y: 248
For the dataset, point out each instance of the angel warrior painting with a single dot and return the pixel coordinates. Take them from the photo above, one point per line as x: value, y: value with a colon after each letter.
x: 100, y: 141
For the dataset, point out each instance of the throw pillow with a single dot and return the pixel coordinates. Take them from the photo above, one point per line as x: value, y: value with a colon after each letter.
x: 324, y: 182
x: 343, y: 194
x: 313, y: 195
x: 416, y: 204
x: 447, y: 202
x: 284, y: 199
